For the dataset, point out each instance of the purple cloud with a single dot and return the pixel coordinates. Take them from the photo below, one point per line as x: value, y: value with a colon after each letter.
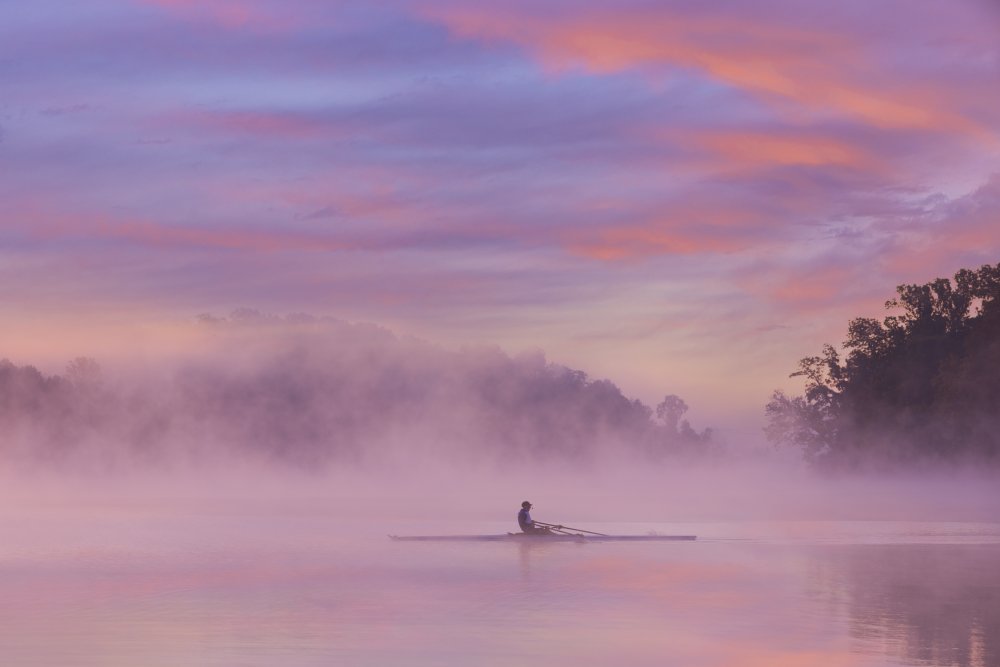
x: 509, y: 171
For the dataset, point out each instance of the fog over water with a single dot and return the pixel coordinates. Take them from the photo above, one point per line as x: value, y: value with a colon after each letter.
x: 598, y: 256
x: 266, y: 568
x: 159, y: 514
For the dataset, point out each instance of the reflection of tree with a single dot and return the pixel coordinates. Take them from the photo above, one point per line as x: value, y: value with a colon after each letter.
x: 939, y: 604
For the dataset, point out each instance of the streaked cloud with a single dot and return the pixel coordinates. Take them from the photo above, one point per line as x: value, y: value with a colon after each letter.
x: 802, y: 58
x: 675, y: 177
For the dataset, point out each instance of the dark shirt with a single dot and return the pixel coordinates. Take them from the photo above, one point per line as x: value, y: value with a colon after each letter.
x: 524, y: 521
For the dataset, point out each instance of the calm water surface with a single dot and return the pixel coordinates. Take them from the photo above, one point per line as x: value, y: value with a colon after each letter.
x: 144, y: 588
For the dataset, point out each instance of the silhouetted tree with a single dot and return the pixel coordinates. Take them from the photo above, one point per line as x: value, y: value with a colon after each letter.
x: 84, y: 372
x: 921, y: 385
x: 670, y: 410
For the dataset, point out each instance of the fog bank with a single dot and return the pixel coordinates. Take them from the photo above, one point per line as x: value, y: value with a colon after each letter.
x: 296, y: 415
x: 312, y: 393
x: 446, y: 491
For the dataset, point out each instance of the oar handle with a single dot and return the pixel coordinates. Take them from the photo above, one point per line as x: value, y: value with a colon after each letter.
x: 576, y: 530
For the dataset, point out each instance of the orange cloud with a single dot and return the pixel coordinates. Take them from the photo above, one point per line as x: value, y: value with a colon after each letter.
x: 819, y: 297
x: 689, y: 226
x: 812, y: 68
x: 814, y: 285
x: 749, y: 149
x: 632, y: 242
x: 819, y: 286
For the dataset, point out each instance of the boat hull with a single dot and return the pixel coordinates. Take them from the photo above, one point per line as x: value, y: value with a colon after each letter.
x: 524, y: 537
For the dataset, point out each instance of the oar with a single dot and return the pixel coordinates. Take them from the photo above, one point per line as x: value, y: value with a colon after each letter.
x: 575, y: 530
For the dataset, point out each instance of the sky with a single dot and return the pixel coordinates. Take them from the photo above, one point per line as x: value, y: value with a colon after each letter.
x: 683, y: 197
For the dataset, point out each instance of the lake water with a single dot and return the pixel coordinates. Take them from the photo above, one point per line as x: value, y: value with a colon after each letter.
x: 143, y: 588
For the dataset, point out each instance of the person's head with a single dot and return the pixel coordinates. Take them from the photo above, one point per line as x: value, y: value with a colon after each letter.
x: 526, y: 505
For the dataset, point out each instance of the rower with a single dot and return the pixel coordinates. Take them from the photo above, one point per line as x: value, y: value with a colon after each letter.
x: 527, y: 524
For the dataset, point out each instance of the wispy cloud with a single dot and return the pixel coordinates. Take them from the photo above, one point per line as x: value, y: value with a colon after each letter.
x: 557, y: 174
x: 800, y: 58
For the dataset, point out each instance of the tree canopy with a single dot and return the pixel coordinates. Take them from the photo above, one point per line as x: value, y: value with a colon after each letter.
x: 921, y: 386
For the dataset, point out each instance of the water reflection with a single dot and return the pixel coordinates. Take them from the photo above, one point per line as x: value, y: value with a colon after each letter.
x: 537, y: 549
x: 922, y: 604
x: 248, y: 590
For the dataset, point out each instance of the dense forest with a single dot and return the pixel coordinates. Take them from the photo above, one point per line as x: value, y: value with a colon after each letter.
x: 920, y: 387
x: 316, y: 391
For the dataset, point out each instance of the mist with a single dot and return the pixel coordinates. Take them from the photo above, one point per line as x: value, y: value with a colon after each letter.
x: 230, y: 502
x: 311, y: 393
x: 305, y: 415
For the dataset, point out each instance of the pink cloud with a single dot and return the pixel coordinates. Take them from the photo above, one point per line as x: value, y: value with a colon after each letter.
x: 815, y: 286
x: 625, y: 242
x: 806, y: 291
x: 757, y: 149
x: 687, y: 224
x: 814, y: 68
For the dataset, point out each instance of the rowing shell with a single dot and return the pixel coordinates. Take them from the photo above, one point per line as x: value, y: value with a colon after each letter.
x: 524, y: 537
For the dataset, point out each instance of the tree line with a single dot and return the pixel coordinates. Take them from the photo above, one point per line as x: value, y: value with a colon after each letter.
x: 918, y: 387
x: 344, y: 392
